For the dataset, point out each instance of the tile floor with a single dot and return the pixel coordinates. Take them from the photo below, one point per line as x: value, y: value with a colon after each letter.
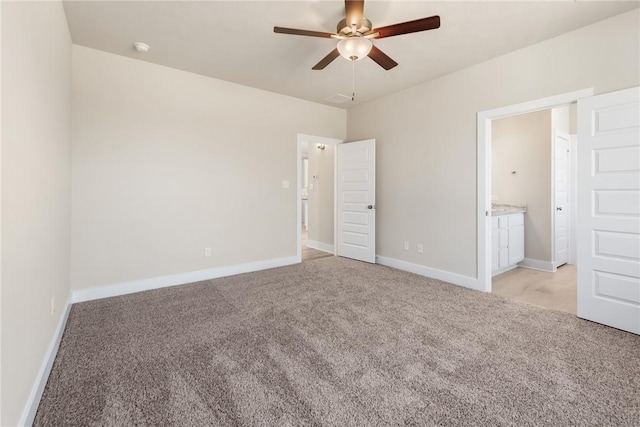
x: 552, y: 290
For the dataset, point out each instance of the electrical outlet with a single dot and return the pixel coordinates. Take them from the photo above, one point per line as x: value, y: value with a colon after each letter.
x: 207, y: 251
x: 285, y: 184
x: 420, y: 248
x: 53, y: 305
x: 406, y: 246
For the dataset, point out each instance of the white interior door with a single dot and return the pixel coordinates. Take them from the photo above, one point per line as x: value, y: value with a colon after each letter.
x: 356, y: 219
x: 609, y: 209
x: 573, y: 197
x: 561, y: 198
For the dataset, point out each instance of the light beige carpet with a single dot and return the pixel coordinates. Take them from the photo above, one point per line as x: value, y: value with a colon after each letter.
x: 336, y: 342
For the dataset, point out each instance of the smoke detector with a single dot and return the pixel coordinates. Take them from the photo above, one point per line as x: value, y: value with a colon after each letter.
x: 141, y: 47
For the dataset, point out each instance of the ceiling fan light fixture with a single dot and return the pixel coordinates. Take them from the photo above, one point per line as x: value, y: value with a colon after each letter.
x: 354, y: 48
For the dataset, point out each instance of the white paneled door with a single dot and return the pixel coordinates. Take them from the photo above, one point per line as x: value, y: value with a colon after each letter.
x: 561, y: 198
x: 609, y: 209
x: 356, y: 219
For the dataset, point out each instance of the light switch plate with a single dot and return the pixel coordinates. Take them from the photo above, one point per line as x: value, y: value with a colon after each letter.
x: 285, y: 183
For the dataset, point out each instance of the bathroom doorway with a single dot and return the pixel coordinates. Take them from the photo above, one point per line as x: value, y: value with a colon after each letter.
x: 484, y: 212
x: 531, y: 208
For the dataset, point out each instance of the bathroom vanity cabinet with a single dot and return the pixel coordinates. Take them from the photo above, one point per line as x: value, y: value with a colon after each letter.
x: 507, y: 241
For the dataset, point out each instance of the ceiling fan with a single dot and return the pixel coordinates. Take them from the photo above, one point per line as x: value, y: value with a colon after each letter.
x: 355, y: 33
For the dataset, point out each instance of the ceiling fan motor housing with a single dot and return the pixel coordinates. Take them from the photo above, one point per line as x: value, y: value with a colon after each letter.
x: 346, y: 30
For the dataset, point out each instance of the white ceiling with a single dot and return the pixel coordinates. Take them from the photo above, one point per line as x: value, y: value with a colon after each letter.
x: 234, y: 40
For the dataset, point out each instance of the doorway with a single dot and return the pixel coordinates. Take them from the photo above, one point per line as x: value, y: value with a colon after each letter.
x: 530, y: 208
x: 485, y: 174
x: 316, y: 197
x: 606, y: 202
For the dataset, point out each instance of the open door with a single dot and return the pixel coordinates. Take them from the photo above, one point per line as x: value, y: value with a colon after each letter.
x: 561, y: 198
x: 609, y: 209
x: 356, y: 188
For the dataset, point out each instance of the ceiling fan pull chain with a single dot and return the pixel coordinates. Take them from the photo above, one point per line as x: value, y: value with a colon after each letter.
x: 353, y: 80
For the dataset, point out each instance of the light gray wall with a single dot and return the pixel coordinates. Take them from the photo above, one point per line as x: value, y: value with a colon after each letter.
x: 522, y: 144
x: 36, y: 81
x: 426, y: 135
x: 321, y: 199
x: 166, y: 163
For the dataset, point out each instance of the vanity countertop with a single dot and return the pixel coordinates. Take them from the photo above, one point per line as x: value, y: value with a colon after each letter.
x: 506, y: 209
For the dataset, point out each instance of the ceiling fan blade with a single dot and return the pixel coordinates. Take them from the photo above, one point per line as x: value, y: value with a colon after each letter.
x: 353, y: 12
x: 423, y: 24
x: 381, y: 58
x: 327, y: 60
x: 295, y: 32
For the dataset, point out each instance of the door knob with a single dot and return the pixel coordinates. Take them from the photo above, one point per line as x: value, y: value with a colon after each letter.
x: 370, y: 207
x: 559, y: 208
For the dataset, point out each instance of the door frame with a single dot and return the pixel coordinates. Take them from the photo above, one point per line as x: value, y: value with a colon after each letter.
x: 313, y: 140
x: 483, y: 210
x: 555, y: 133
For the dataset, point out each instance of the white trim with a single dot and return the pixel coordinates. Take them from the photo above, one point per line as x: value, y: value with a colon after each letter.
x: 483, y: 249
x: 178, y: 279
x: 31, y: 407
x: 535, y: 264
x: 325, y: 247
x: 504, y: 270
x: 445, y: 276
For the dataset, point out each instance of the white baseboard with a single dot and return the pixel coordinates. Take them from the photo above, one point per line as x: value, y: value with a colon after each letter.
x: 320, y: 246
x: 535, y: 264
x: 31, y: 407
x: 504, y: 270
x: 82, y: 295
x: 445, y: 276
